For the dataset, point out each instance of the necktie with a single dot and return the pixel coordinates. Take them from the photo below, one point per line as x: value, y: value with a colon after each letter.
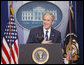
x: 46, y: 35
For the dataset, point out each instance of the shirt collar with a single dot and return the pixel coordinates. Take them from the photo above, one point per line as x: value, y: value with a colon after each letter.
x: 47, y: 30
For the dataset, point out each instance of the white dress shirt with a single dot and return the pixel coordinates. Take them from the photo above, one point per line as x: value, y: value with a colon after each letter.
x: 49, y: 31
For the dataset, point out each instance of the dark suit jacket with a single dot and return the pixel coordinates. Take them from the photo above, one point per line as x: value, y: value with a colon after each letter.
x: 36, y: 35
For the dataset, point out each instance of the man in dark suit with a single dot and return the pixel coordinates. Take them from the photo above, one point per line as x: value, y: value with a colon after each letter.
x: 45, y: 33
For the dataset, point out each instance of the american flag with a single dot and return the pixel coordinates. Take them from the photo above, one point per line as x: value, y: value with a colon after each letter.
x: 9, y: 51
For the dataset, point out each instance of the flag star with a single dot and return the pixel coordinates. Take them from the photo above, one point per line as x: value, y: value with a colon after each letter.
x: 15, y: 33
x: 7, y: 33
x: 8, y: 29
x: 13, y: 36
x: 11, y: 40
x: 5, y: 29
x: 11, y: 23
x: 8, y: 26
x: 6, y: 36
x: 12, y: 19
x: 8, y: 40
x: 14, y: 26
x: 16, y: 30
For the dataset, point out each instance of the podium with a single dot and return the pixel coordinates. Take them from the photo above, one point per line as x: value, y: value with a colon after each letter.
x: 54, y: 53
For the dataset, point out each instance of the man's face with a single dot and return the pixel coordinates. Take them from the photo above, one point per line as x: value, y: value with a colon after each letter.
x: 47, y: 21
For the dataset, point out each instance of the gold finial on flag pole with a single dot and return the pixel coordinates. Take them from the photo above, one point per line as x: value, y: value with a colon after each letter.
x: 11, y: 8
x: 71, y: 4
x: 71, y: 8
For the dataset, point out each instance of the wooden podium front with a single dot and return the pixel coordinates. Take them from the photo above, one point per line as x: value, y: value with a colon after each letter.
x: 54, y: 50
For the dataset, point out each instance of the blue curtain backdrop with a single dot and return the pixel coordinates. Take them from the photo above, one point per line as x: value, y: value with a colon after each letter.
x: 4, y: 16
x: 79, y: 13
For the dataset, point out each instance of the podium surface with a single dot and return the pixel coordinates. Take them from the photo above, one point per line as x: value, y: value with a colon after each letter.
x: 54, y: 50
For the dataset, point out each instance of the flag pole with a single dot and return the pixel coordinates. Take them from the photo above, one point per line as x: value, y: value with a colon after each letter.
x: 70, y: 23
x: 69, y: 46
x: 71, y: 14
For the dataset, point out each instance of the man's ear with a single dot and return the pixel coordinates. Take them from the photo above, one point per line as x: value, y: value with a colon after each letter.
x: 52, y: 22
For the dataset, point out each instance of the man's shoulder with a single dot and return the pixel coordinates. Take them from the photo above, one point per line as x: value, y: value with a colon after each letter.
x: 55, y: 31
x: 37, y: 29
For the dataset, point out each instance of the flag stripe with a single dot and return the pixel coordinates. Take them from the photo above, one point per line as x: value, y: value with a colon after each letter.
x: 2, y: 60
x: 12, y: 54
x: 12, y: 61
x: 6, y: 52
x: 16, y: 47
x: 15, y: 55
x: 5, y: 57
x: 6, y: 45
x: 16, y: 52
x: 6, y: 49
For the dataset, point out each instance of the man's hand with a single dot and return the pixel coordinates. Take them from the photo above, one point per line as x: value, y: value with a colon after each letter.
x: 46, y: 42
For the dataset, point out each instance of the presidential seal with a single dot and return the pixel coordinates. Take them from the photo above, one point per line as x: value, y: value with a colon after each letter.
x: 40, y: 55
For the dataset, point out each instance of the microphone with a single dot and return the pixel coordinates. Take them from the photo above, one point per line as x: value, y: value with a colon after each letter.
x: 40, y: 37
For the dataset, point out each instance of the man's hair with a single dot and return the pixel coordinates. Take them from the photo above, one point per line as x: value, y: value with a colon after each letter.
x: 49, y: 14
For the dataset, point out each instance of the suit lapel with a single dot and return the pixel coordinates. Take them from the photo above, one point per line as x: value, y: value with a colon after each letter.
x: 52, y: 34
x: 41, y: 32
